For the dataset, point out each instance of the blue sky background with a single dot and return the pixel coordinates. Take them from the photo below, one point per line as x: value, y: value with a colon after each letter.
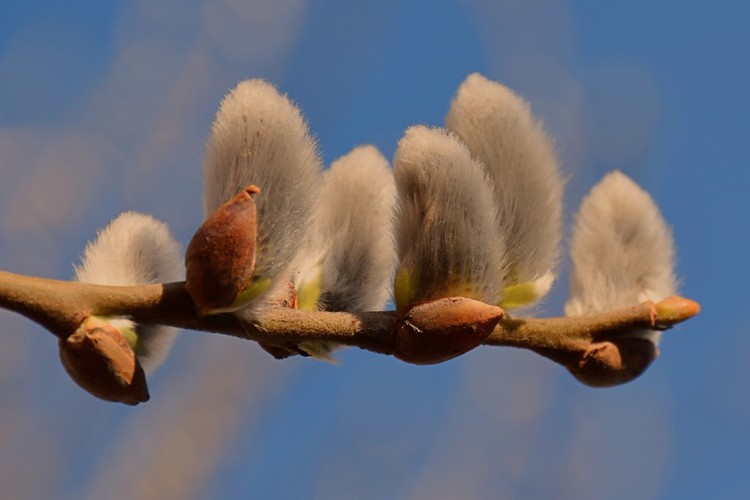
x: 104, y: 107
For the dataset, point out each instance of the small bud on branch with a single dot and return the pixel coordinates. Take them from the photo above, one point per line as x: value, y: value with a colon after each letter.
x: 444, y: 329
x: 220, y: 259
x: 98, y: 358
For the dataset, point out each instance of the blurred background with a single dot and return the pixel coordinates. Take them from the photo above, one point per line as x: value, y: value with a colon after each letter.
x: 105, y: 107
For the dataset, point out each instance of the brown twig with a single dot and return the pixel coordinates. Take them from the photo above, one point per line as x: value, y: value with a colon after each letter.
x: 599, y: 349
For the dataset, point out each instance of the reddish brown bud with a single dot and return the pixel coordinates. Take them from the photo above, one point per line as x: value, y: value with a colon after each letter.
x: 98, y: 358
x: 610, y: 363
x: 443, y: 329
x: 220, y: 259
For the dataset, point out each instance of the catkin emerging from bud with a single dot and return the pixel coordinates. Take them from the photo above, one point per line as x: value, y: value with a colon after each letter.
x: 499, y: 129
x: 622, y: 250
x: 259, y: 137
x: 446, y: 239
x: 135, y: 249
x: 356, y: 229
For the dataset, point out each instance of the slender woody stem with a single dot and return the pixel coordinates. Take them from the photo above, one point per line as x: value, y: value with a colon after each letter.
x: 61, y: 306
x: 565, y: 339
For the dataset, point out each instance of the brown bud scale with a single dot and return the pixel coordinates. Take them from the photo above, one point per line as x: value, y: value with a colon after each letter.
x: 220, y: 259
x: 436, y: 331
x: 98, y: 358
x: 610, y: 363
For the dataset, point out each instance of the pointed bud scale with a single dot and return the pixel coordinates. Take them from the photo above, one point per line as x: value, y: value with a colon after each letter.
x: 433, y: 332
x: 673, y: 310
x: 220, y: 259
x: 606, y: 364
x: 98, y: 358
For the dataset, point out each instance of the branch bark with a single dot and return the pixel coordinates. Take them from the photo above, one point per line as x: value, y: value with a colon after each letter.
x: 600, y: 349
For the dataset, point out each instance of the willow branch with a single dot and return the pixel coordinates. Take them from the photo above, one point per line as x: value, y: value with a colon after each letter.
x: 61, y: 307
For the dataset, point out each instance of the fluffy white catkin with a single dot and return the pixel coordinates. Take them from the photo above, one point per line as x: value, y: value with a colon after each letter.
x: 349, y: 264
x: 445, y: 232
x: 260, y: 137
x: 498, y: 128
x: 622, y: 250
x: 135, y: 249
x: 356, y: 226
